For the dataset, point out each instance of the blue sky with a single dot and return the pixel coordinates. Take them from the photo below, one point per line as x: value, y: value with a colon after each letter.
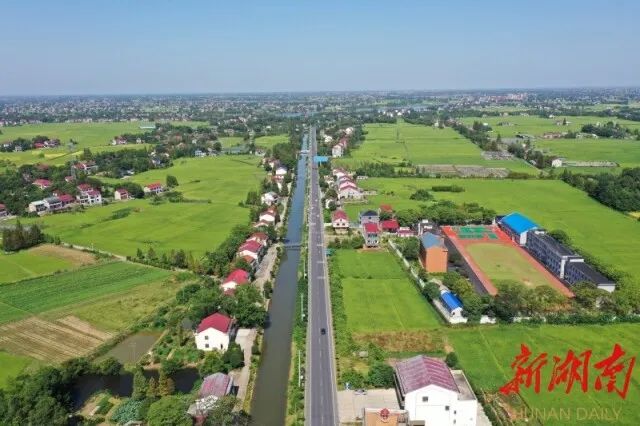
x: 162, y: 46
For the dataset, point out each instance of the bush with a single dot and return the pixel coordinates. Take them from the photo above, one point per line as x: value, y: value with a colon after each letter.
x: 380, y: 375
x: 452, y: 360
x: 127, y: 411
x: 104, y: 405
x: 354, y: 378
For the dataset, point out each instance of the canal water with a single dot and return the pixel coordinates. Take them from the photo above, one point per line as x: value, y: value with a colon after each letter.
x: 270, y: 394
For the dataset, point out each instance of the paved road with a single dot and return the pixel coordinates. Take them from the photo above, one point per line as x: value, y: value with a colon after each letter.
x: 321, y: 403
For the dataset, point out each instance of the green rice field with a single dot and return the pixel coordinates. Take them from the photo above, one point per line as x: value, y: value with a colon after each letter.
x: 27, y: 264
x: 622, y: 151
x: 395, y: 143
x: 610, y: 236
x: 38, y: 295
x: 378, y: 295
x: 486, y: 352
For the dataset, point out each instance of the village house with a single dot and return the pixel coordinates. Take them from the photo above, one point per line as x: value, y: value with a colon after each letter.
x: 370, y: 234
x: 66, y: 199
x: 405, y: 232
x: 42, y: 183
x: 121, y: 194
x: 214, y: 387
x: 434, y: 394
x: 339, y: 221
x: 3, y: 210
x: 214, y: 332
x: 269, y: 198
x: 269, y: 216
x: 86, y: 167
x: 369, y: 216
x: 349, y: 190
x: 336, y: 151
x: 390, y: 225
x: 259, y: 237
x: 153, y: 188
x: 199, y: 154
x: 453, y: 306
x: 234, y: 279
x: 52, y: 204
x: 281, y: 171
x: 90, y: 198
x: 433, y: 253
x: 253, y: 249
x: 37, y: 207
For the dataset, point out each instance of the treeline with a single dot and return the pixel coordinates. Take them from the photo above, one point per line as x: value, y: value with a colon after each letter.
x: 620, y: 192
x: 447, y: 212
x: 609, y: 130
x: 116, y: 164
x: 25, y: 144
x: 477, y: 134
x: 20, y: 237
x: 447, y: 188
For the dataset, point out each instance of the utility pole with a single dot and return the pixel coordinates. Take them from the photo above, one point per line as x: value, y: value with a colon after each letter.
x: 302, y: 306
x: 299, y: 368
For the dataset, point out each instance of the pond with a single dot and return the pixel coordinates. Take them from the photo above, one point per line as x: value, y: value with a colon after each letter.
x: 134, y: 347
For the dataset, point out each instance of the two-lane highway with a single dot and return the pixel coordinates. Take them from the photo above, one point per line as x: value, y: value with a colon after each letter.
x: 321, y: 403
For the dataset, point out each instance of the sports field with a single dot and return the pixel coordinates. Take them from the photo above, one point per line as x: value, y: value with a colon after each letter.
x: 395, y: 143
x: 624, y: 152
x: 24, y: 298
x: 194, y: 226
x: 96, y: 136
x: 378, y: 296
x: 486, y: 353
x: 612, y: 237
x: 42, y: 260
x: 537, y: 126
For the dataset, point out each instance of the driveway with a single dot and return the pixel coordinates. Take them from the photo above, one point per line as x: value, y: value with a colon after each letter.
x: 350, y: 405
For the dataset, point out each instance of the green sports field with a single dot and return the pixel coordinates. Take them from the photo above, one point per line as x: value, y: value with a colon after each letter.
x: 486, y: 352
x: 194, y: 226
x: 378, y: 296
x: 502, y: 262
x: 395, y: 143
x: 611, y: 236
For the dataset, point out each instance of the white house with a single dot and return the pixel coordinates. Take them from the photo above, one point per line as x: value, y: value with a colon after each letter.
x: 37, y: 207
x: 339, y: 220
x: 214, y: 332
x: 556, y: 163
x: 336, y: 151
x: 90, y: 197
x: 252, y: 249
x: 269, y: 198
x: 153, y: 188
x: 281, y: 171
x: 121, y: 194
x: 268, y: 216
x: 432, y: 393
x: 234, y: 279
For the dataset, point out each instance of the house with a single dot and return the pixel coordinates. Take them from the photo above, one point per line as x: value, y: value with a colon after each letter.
x: 433, y: 253
x: 198, y: 153
x: 153, y: 188
x: 390, y: 225
x: 88, y: 195
x: 3, y: 210
x: 370, y: 234
x: 121, y: 194
x: 281, y: 171
x: 517, y: 226
x: 452, y: 304
x: 262, y: 224
x: 369, y: 216
x: 434, y: 394
x: 556, y: 163
x: 252, y: 249
x: 349, y: 190
x: 42, y: 183
x: 37, y: 207
x: 214, y: 332
x: 336, y: 151
x: 424, y: 226
x: 84, y: 187
x: 269, y: 198
x: 235, y: 278
x: 405, y: 232
x: 86, y: 167
x: 339, y: 220
x: 66, y: 199
x: 269, y: 216
x: 52, y: 203
x: 214, y: 387
x: 260, y: 237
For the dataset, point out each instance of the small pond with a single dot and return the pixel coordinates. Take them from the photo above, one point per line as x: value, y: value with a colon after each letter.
x: 134, y: 347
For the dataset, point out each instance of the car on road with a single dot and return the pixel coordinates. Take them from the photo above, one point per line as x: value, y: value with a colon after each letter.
x: 323, y: 331
x: 360, y: 392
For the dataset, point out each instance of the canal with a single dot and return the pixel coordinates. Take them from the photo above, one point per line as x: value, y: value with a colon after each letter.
x: 270, y: 394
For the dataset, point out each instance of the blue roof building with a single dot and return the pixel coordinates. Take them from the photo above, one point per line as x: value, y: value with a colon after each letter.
x: 517, y: 225
x: 451, y: 301
x: 320, y: 159
x: 429, y: 240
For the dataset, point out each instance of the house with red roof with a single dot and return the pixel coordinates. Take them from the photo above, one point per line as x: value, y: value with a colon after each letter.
x: 269, y: 216
x: 85, y: 166
x: 252, y: 249
x: 339, y: 221
x: 214, y: 387
x: 153, y: 188
x: 3, y: 210
x: 434, y: 394
x: 88, y: 196
x: 214, y: 332
x: 371, y: 234
x: 260, y: 237
x: 42, y: 183
x: 390, y: 225
x: 235, y: 278
x: 121, y: 194
x: 405, y: 232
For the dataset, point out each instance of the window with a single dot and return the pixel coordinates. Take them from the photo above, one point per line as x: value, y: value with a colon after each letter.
x: 206, y: 345
x: 206, y: 337
x: 425, y: 399
x: 446, y: 408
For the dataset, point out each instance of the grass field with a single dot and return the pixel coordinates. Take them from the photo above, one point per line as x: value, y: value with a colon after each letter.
x: 538, y: 126
x: 270, y: 141
x: 378, y: 296
x: 96, y: 136
x: 12, y: 365
x: 195, y: 227
x: 624, y: 152
x: 38, y: 295
x: 612, y: 237
x: 501, y: 262
x: 394, y: 143
x: 486, y: 353
x: 42, y: 260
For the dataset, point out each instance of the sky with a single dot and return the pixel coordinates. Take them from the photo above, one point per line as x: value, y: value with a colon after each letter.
x: 163, y: 46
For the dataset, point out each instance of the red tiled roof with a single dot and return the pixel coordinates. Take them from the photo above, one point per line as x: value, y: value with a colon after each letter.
x: 93, y: 193
x: 84, y: 187
x: 65, y: 198
x: 386, y: 208
x: 217, y: 321
x: 154, y: 185
x: 339, y: 214
x: 371, y: 228
x: 217, y: 384
x: 420, y: 371
x: 259, y: 236
x: 42, y: 182
x: 390, y: 224
x: 248, y: 259
x: 252, y: 246
x: 238, y: 276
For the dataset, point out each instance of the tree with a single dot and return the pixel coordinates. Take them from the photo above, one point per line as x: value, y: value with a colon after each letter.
x: 217, y: 146
x: 354, y: 378
x: 139, y: 385
x: 380, y: 375
x: 452, y: 360
x: 172, y: 181
x: 410, y: 248
x: 46, y: 411
x: 510, y: 300
x: 110, y: 367
x: 212, y: 363
x: 152, y: 389
x: 165, y: 384
x: 171, y: 410
x: 233, y: 356
x: 222, y: 412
